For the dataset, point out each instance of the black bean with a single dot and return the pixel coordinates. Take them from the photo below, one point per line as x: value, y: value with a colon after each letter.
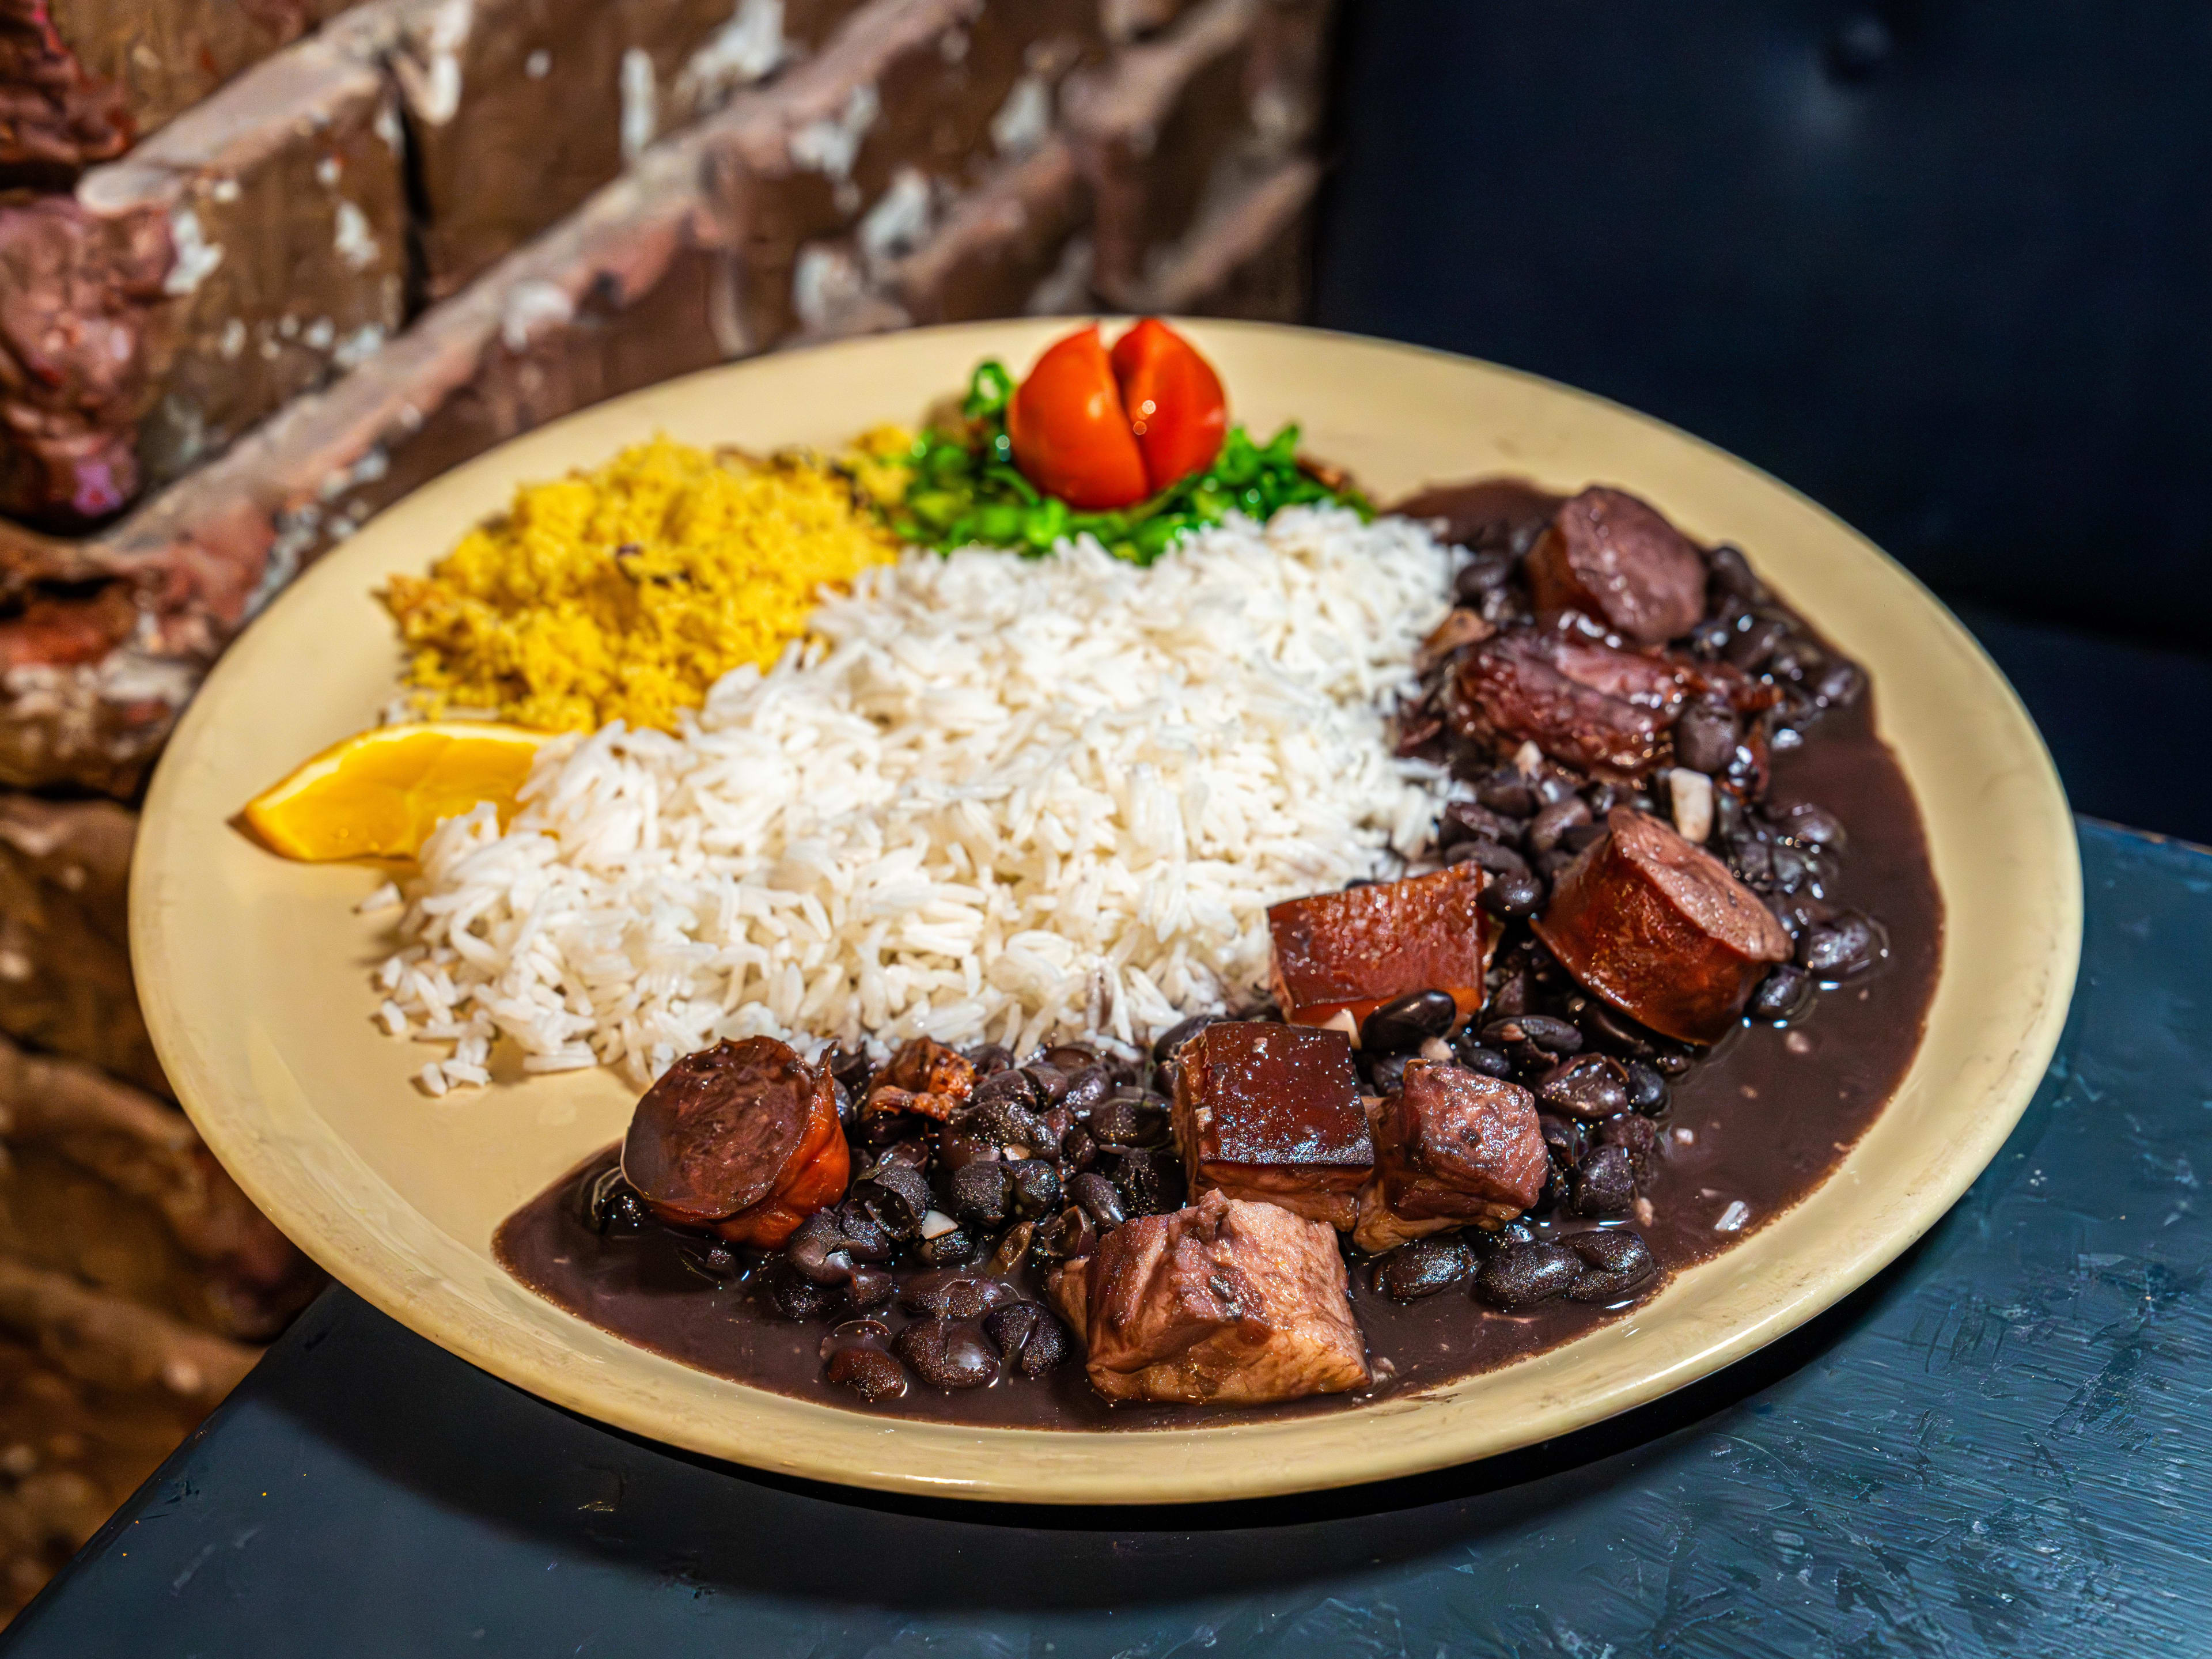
x: 1813, y: 826
x: 1731, y: 574
x: 817, y: 1251
x: 1063, y: 1237
x: 1705, y: 738
x: 1752, y: 646
x: 1489, y: 855
x: 788, y: 1295
x: 1550, y: 825
x: 1483, y: 573
x: 1638, y: 1137
x: 1576, y: 842
x: 1011, y: 1087
x: 1002, y: 1122
x: 1050, y: 1081
x: 869, y: 1372
x: 1563, y: 1138
x: 1505, y: 790
x: 947, y: 1353
x: 1602, y: 798
x: 1150, y: 1182
x: 1164, y: 1045
x: 1033, y: 1188
x: 1385, y: 1074
x: 1467, y: 820
x: 1476, y: 1057
x: 1086, y: 1087
x: 1098, y: 1199
x: 1029, y: 1338
x: 952, y: 1248
x: 870, y: 1287
x: 1674, y: 1064
x: 1070, y: 1057
x: 1783, y: 995
x: 1079, y: 1148
x: 1612, y: 1030
x: 1710, y: 637
x: 1423, y: 1268
x: 1514, y: 894
x: 850, y: 1067
x: 1405, y: 1023
x: 1593, y: 1087
x: 1849, y: 944
x: 1130, y: 1121
x: 1839, y: 685
x: 1615, y: 1261
x: 1647, y: 1087
x: 1605, y: 1184
x: 975, y: 1194
x: 1553, y: 783
x: 1554, y: 1036
x: 1753, y: 858
x: 1520, y: 1275
x: 1797, y: 658
x: 611, y: 1204
x: 989, y: 1058
x: 956, y: 1295
x: 1515, y: 995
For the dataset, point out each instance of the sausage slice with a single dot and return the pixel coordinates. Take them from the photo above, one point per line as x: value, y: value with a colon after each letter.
x: 1613, y: 557
x: 1660, y: 929
x: 742, y: 1138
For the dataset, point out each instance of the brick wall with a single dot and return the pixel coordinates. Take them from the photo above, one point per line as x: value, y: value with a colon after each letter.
x: 265, y: 265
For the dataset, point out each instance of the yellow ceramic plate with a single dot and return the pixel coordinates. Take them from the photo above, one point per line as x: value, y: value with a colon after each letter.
x: 254, y: 969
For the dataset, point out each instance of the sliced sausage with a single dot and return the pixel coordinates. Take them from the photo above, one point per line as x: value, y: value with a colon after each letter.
x: 1613, y: 557
x: 1660, y: 929
x: 733, y: 1132
x: 1605, y: 711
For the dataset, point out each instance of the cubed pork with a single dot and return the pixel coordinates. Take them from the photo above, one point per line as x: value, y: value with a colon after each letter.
x: 1273, y: 1112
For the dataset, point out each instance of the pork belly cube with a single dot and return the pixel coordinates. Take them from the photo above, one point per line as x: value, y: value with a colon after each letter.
x: 1226, y: 1303
x: 1348, y: 953
x: 1454, y: 1149
x: 1273, y: 1112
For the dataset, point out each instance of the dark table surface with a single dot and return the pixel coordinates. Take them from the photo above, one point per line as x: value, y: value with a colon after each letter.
x: 2000, y: 1447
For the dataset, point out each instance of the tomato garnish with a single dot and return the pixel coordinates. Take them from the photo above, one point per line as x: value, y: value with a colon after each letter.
x: 1071, y: 435
x: 1178, y: 412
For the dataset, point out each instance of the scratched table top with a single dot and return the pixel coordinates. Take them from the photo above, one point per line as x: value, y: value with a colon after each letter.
x: 1998, y: 1447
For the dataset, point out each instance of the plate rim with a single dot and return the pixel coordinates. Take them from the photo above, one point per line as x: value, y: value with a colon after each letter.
x: 353, y: 1261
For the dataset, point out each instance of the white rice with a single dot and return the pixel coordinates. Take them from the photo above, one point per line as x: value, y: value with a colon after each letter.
x: 997, y: 798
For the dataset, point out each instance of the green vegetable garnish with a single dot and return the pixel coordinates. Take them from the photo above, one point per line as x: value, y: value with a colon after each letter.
x: 964, y: 489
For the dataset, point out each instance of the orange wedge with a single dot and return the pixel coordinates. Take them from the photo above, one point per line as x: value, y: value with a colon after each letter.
x: 381, y: 793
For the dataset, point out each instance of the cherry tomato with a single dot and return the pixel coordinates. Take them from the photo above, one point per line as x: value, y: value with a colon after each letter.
x: 1177, y: 409
x: 1071, y: 434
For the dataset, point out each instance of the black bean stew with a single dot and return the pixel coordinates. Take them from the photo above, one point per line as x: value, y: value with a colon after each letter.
x: 924, y: 1291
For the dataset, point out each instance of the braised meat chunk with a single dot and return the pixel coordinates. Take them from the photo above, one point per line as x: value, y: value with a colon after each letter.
x: 1613, y: 558
x: 1660, y: 929
x: 1225, y: 1302
x: 742, y: 1139
x: 1585, y: 703
x: 1273, y: 1112
x: 1348, y: 953
x: 1454, y: 1148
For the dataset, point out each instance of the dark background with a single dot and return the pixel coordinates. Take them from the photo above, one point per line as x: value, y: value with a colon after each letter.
x: 1945, y: 265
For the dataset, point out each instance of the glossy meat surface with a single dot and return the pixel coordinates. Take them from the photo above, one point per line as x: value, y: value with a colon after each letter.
x: 1582, y: 702
x: 1226, y: 1302
x: 1614, y: 558
x: 1659, y: 928
x: 1273, y: 1112
x: 712, y: 1137
x: 1352, y: 951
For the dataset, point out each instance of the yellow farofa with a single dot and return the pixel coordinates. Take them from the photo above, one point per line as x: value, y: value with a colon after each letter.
x: 624, y: 592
